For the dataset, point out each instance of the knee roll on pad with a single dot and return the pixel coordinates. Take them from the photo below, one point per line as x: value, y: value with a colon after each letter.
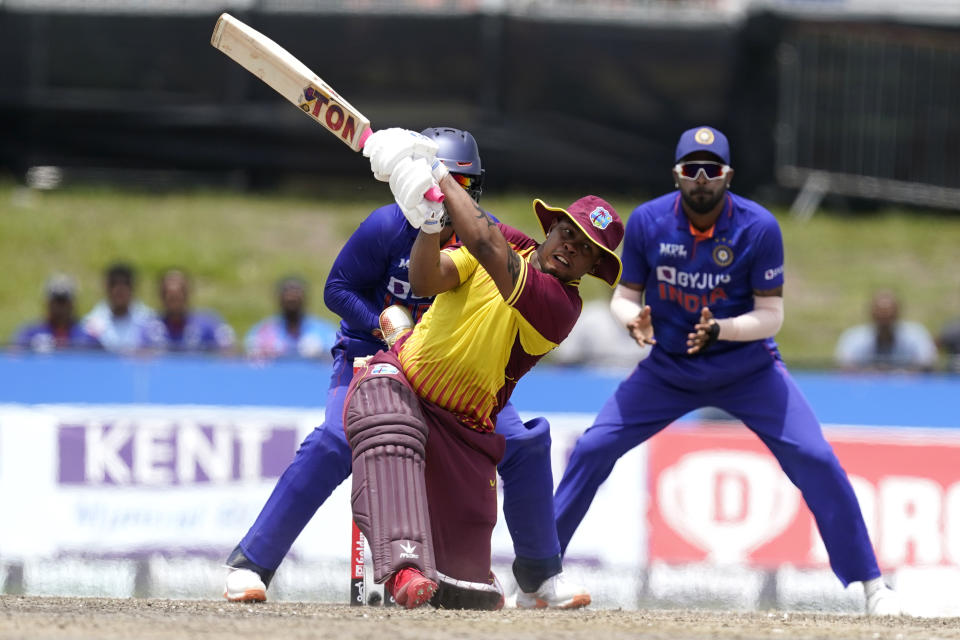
x: 388, y: 434
x: 382, y: 411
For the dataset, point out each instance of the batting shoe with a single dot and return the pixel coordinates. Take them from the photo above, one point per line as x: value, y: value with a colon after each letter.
x: 410, y: 588
x: 556, y: 592
x: 884, y: 602
x: 244, y: 585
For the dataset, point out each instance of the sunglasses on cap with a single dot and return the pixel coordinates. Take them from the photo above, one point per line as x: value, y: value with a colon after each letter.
x: 711, y: 170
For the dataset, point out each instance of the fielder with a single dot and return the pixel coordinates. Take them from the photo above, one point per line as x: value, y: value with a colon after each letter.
x: 710, y: 264
x: 370, y: 274
x: 420, y: 417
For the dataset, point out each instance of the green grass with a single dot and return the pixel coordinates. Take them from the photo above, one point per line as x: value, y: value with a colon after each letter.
x: 236, y: 246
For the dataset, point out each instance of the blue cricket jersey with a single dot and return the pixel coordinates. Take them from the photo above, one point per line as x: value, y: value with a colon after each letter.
x: 370, y: 274
x: 681, y: 273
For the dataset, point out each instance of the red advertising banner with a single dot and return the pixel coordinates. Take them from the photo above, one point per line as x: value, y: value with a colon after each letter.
x: 718, y: 495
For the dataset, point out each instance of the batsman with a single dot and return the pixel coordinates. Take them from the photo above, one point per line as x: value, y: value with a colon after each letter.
x: 420, y: 417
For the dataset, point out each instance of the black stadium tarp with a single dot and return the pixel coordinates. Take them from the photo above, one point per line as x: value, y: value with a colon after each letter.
x: 552, y: 102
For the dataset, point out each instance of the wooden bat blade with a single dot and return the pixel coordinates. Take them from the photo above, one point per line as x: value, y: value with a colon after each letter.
x: 292, y: 79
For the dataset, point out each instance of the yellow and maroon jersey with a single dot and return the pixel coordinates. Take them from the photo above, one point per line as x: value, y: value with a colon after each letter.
x: 472, y: 345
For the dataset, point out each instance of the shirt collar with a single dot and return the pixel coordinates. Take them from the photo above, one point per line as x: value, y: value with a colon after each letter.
x: 722, y: 224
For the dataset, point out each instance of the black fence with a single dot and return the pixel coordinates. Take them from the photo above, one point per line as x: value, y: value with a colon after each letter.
x: 871, y: 110
x: 551, y: 102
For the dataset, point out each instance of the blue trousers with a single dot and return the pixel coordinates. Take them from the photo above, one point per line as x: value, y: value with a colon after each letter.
x: 753, y: 385
x: 323, y: 461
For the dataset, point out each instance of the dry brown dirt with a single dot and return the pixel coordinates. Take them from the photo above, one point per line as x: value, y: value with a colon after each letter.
x: 40, y: 618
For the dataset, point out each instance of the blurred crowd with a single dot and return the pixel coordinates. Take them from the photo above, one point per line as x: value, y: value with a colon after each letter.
x: 884, y: 342
x: 122, y: 323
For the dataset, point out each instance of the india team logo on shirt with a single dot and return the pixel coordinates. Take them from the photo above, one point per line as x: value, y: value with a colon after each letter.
x: 600, y: 218
x: 722, y: 255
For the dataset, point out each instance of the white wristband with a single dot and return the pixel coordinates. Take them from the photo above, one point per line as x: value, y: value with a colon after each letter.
x: 763, y: 322
x: 625, y: 304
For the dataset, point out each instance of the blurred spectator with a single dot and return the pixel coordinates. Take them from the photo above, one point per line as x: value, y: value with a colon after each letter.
x: 949, y: 343
x: 598, y: 340
x: 888, y: 342
x: 180, y: 328
x: 292, y: 332
x: 120, y: 322
x: 60, y: 329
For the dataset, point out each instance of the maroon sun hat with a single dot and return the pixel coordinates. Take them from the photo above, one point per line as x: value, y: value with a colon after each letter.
x: 599, y: 221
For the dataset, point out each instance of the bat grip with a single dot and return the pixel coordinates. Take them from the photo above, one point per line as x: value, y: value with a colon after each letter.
x: 433, y: 194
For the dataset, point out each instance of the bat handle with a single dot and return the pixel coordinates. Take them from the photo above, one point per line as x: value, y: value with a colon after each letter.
x: 433, y: 194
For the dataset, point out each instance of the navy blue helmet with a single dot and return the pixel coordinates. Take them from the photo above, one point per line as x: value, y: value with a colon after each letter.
x: 459, y: 153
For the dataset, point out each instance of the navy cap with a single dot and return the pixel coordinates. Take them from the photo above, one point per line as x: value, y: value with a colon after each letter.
x: 703, y: 139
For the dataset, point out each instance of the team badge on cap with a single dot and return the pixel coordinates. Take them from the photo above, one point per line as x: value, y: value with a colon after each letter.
x: 600, y: 218
x: 704, y: 136
x: 722, y: 255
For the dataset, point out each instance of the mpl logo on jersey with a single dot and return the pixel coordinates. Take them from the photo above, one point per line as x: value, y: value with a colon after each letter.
x: 171, y: 452
x: 672, y: 250
x: 718, y: 495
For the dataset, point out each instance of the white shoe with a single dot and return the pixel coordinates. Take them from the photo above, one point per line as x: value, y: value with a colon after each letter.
x: 555, y: 593
x: 244, y: 585
x: 884, y: 602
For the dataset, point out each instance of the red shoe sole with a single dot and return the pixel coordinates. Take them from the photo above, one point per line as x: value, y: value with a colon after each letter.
x: 416, y: 592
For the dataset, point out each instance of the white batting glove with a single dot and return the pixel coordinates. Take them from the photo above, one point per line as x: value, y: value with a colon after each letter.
x: 408, y: 182
x: 387, y: 147
x: 436, y: 217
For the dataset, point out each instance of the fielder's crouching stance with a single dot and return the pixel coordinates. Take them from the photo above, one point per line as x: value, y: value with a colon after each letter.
x: 420, y: 418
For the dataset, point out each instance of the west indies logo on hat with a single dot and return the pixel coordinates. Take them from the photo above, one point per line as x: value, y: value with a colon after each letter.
x: 599, y: 221
x: 600, y: 218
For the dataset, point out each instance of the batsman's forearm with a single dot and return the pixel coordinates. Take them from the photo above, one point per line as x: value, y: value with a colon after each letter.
x: 474, y: 228
x: 424, y: 270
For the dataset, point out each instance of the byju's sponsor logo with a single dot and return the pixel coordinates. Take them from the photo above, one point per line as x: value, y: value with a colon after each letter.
x: 691, y: 280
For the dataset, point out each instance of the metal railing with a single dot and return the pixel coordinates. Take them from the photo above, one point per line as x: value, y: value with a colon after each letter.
x: 869, y: 111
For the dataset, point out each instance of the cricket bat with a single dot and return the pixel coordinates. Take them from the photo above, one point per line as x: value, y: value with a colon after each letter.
x: 293, y: 80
